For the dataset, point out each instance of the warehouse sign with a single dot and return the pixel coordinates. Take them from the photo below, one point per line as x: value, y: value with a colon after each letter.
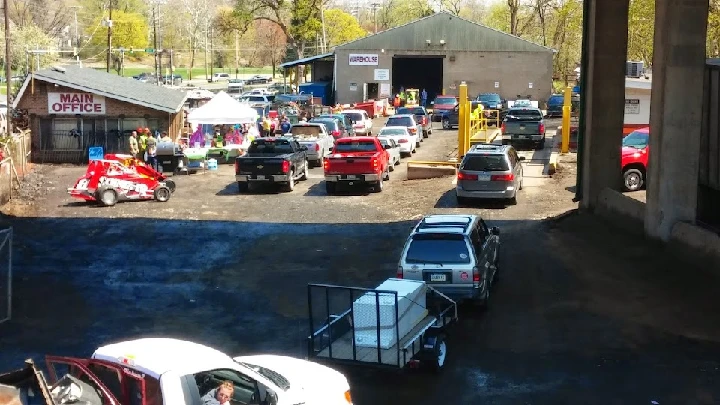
x: 632, y: 106
x: 363, y: 59
x: 76, y: 103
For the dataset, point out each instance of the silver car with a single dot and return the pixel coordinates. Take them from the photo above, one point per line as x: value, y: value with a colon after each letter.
x: 490, y: 172
x: 456, y: 254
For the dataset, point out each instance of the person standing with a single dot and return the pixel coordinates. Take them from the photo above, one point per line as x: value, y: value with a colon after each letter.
x: 165, y: 137
x: 151, y: 150
x: 423, y: 98
x: 266, y: 126
x: 142, y: 143
x: 285, y: 126
x: 133, y: 145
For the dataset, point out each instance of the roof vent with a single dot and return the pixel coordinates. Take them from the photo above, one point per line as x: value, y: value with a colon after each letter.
x: 58, y: 69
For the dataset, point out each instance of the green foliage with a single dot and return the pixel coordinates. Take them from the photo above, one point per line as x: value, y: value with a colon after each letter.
x: 498, y: 17
x: 399, y: 12
x: 305, y: 22
x: 641, y: 30
x: 95, y: 7
x: 341, y: 27
x: 130, y: 30
x: 28, y: 36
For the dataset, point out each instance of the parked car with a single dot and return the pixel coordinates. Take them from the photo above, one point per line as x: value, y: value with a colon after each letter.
x: 235, y: 86
x: 555, y: 105
x: 217, y: 77
x: 421, y: 116
x: 635, y: 155
x: 407, y: 121
x: 357, y: 161
x: 332, y: 125
x: 345, y: 122
x: 362, y: 123
x: 280, y: 88
x: 524, y: 126
x: 442, y: 105
x: 258, y: 79
x: 489, y: 172
x: 145, y: 77
x: 495, y: 106
x: 272, y: 161
x: 393, y: 149
x: 459, y: 255
x: 173, y: 79
x: 451, y: 118
x: 315, y: 137
x: 408, y: 142
x: 257, y: 100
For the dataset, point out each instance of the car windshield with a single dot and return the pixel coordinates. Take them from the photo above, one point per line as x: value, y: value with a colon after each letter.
x: 445, y: 100
x: 399, y: 122
x: 485, y: 163
x: 271, y: 375
x: 354, y: 116
x: 414, y: 111
x: 271, y: 146
x: 637, y: 140
x: 357, y: 146
x: 329, y: 124
x: 489, y: 97
x: 305, y: 131
x: 438, y: 248
x: 384, y: 142
x: 392, y: 131
x: 524, y: 115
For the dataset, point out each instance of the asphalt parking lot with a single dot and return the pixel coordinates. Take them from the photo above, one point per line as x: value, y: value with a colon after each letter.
x: 583, y: 314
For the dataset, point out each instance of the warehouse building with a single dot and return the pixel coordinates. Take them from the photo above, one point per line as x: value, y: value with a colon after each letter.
x: 70, y: 109
x: 436, y: 53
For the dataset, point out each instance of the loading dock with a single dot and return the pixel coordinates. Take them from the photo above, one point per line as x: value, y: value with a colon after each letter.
x: 418, y: 72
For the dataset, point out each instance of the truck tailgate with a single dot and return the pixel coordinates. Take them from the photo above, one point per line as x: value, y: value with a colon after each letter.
x: 522, y: 127
x: 351, y: 163
x: 260, y: 165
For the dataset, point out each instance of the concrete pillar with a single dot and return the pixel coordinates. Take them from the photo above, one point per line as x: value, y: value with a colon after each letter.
x: 604, y: 98
x: 675, y: 114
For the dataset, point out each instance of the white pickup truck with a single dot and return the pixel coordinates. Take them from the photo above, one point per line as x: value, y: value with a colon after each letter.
x: 316, y: 138
x: 163, y: 371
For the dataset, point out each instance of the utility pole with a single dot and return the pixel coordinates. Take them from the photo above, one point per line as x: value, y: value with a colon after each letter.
x: 109, y: 38
x: 157, y: 73
x: 322, y: 20
x: 375, y: 7
x: 77, y: 35
x: 212, y: 52
x: 237, y: 53
x: 8, y: 70
x: 207, y: 29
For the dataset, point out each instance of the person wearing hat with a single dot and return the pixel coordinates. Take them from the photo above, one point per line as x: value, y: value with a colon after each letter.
x: 142, y: 143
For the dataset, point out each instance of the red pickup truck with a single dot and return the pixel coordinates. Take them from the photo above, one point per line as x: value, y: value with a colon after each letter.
x: 357, y: 160
x: 635, y: 154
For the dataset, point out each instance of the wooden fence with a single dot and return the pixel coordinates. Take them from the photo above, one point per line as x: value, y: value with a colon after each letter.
x: 14, y: 164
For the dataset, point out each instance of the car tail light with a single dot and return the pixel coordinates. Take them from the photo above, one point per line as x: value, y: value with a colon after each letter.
x: 476, y: 275
x: 348, y: 397
x: 399, y: 273
x: 413, y: 130
x: 424, y: 120
x: 317, y: 147
x: 326, y: 164
x: 502, y: 177
x: 466, y: 176
x: 541, y: 128
x: 375, y: 163
x: 285, y: 166
x: 236, y: 166
x: 336, y: 133
x: 502, y: 128
x: 403, y: 140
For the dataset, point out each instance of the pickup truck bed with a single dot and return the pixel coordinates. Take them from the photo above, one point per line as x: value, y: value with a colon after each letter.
x: 272, y: 161
x: 524, y: 126
x: 357, y: 160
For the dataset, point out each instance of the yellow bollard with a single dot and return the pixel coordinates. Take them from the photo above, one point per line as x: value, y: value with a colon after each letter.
x: 567, y: 108
x: 462, y: 112
x: 467, y: 126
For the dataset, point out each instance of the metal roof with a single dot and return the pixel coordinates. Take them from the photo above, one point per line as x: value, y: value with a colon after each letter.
x: 458, y: 33
x: 305, y: 61
x: 111, y: 86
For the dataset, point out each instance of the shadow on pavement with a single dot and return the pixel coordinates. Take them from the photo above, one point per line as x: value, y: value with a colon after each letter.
x: 318, y: 190
x: 448, y: 200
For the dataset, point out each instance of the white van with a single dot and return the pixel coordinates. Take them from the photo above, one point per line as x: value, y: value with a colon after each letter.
x: 216, y: 77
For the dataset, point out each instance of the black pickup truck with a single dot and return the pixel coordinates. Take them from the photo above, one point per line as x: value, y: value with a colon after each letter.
x: 272, y: 161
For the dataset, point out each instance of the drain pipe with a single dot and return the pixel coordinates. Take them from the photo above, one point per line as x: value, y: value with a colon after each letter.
x: 584, y: 59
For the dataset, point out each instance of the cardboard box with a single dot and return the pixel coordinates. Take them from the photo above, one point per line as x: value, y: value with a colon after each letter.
x: 411, y: 309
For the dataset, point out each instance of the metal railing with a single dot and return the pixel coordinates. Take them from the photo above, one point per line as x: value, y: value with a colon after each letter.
x: 72, y: 146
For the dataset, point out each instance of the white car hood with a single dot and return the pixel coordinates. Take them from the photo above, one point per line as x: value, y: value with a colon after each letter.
x: 310, y: 382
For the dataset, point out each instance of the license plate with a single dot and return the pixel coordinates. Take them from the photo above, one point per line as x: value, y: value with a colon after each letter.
x: 483, y: 177
x: 522, y: 126
x: 522, y: 136
x: 438, y: 277
x: 351, y: 177
x: 260, y: 177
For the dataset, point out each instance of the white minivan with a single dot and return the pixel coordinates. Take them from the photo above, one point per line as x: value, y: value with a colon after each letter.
x: 216, y: 77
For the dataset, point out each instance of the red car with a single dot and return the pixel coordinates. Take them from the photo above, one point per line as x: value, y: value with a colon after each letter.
x: 121, y: 178
x: 360, y: 160
x: 635, y: 153
x: 443, y: 105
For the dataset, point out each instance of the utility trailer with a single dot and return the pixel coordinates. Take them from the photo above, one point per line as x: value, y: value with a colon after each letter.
x: 399, y: 324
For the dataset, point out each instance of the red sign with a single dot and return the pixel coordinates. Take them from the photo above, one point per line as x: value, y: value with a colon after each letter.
x: 76, y: 103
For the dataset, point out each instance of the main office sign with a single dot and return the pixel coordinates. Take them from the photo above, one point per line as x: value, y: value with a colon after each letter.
x: 76, y: 103
x: 363, y: 59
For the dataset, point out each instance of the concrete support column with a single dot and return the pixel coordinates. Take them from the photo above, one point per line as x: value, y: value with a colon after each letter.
x: 675, y: 114
x: 604, y: 104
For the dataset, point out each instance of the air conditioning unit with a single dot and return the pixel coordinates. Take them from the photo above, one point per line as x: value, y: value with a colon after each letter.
x: 634, y: 69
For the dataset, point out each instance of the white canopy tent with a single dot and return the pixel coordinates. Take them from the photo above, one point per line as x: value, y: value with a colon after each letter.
x: 222, y: 110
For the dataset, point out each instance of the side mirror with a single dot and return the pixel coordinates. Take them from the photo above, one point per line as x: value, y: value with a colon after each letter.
x: 495, y: 230
x: 330, y: 149
x: 521, y: 158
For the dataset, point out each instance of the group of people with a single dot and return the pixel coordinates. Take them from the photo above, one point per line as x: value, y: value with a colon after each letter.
x: 143, y: 145
x: 268, y: 126
x: 402, y: 98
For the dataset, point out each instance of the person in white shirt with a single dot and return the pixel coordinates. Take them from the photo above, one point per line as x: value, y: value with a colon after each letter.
x: 220, y: 395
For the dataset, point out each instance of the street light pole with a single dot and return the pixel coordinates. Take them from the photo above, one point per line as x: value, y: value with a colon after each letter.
x: 77, y: 34
x: 375, y: 6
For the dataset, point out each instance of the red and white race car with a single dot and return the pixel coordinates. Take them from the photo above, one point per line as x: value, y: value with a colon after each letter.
x: 121, y: 178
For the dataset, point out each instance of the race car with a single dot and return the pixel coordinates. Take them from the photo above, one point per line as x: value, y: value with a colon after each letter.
x: 108, y: 181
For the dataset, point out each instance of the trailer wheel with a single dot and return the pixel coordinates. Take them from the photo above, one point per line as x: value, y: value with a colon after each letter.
x: 106, y: 196
x: 162, y: 193
x: 438, y: 358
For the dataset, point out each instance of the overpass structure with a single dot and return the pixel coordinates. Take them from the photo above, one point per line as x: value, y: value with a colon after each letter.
x: 684, y: 169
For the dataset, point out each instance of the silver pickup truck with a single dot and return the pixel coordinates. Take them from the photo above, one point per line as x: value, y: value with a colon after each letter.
x: 316, y: 138
x: 524, y: 126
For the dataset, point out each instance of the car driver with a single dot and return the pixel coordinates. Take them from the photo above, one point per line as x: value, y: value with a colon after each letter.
x: 220, y: 395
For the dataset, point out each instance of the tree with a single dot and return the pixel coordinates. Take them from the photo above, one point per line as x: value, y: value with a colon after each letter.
x: 29, y: 36
x: 271, y: 42
x: 641, y: 30
x: 130, y: 30
x: 398, y: 12
x: 48, y: 15
x: 341, y: 27
x: 713, y: 30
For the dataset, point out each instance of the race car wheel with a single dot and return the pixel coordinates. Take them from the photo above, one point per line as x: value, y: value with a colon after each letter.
x: 106, y: 196
x: 162, y: 193
x: 170, y: 184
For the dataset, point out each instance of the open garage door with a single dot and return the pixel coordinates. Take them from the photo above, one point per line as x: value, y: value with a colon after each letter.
x: 418, y: 72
